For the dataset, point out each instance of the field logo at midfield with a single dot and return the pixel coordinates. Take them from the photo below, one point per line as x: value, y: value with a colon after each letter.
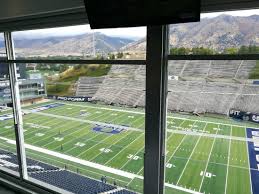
x: 253, y: 149
x: 110, y: 129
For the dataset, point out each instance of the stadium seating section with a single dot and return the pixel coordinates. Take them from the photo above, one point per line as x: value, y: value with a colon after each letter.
x: 87, y: 86
x: 60, y: 178
x: 194, y: 86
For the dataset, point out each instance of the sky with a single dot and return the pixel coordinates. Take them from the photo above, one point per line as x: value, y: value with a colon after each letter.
x: 133, y: 33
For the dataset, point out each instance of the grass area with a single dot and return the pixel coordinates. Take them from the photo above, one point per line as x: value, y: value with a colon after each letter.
x: 208, y: 162
x: 59, y: 89
x: 73, y: 74
x: 254, y: 74
x: 64, y: 84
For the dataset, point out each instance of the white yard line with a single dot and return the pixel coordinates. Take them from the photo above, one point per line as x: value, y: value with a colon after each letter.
x: 143, y: 123
x: 74, y: 147
x: 122, y: 150
x: 64, y: 164
x: 141, y: 130
x: 103, y: 108
x: 193, y: 133
x: 73, y: 139
x: 53, y: 128
x: 79, y: 138
x: 241, y: 167
x: 173, y: 117
x: 136, y: 153
x: 53, y: 135
x: 229, y: 149
x: 248, y: 158
x: 94, y: 165
x: 88, y: 121
x: 177, y: 146
x: 140, y: 170
x: 77, y: 160
x: 95, y: 145
x: 208, y: 161
x: 190, y: 157
x: 182, y: 189
x: 118, y: 140
x: 176, y: 149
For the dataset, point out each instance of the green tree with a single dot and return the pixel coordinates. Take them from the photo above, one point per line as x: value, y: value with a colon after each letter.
x: 243, y: 50
x: 111, y: 56
x: 63, y: 68
x: 120, y: 55
x: 230, y: 51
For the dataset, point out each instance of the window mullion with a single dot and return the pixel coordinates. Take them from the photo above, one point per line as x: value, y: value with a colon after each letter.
x: 18, y: 122
x: 155, y: 109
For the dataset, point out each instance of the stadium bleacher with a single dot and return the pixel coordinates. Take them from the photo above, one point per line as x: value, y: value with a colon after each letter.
x: 123, y: 192
x: 211, y: 87
x: 212, y: 69
x: 87, y: 86
x: 58, y: 177
x: 72, y: 182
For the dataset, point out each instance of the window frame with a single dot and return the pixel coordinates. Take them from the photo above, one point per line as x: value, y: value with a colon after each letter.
x: 156, y: 62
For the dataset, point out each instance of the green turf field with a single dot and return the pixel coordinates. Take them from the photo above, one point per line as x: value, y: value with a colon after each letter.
x: 203, y: 155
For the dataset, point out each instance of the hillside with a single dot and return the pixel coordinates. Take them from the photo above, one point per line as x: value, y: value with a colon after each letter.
x: 65, y: 83
x: 217, y: 33
x: 78, y: 45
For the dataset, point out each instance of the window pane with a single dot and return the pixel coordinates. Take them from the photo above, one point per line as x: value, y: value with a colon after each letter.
x: 79, y: 42
x: 2, y: 45
x: 212, y: 127
x: 234, y: 32
x: 8, y: 154
x: 85, y: 126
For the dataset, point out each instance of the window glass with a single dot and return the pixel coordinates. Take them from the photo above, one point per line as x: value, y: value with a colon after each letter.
x: 2, y: 46
x: 233, y: 32
x: 84, y: 126
x: 213, y: 126
x: 80, y: 42
x: 8, y: 154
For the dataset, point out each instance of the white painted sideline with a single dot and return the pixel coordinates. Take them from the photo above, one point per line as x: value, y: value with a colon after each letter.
x: 93, y: 165
x: 142, y: 113
x: 182, y: 189
x: 77, y: 160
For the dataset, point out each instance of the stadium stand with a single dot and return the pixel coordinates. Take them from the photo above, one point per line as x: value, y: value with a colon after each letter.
x: 211, y: 69
x: 87, y: 86
x: 123, y: 192
x: 211, y: 88
x: 58, y: 177
x: 72, y: 182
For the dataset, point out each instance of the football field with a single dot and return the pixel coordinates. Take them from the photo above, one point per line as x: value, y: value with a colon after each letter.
x: 202, y: 155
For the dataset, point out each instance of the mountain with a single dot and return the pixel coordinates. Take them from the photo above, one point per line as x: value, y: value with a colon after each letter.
x: 72, y: 45
x: 217, y: 33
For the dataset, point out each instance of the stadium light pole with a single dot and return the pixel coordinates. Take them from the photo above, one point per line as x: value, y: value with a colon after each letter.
x: 18, y: 122
x: 156, y: 107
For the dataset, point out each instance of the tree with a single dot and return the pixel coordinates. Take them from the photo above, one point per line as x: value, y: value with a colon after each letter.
x: 230, y: 51
x: 63, y: 68
x: 202, y: 51
x: 180, y: 51
x: 111, y: 56
x: 243, y: 50
x: 119, y: 55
